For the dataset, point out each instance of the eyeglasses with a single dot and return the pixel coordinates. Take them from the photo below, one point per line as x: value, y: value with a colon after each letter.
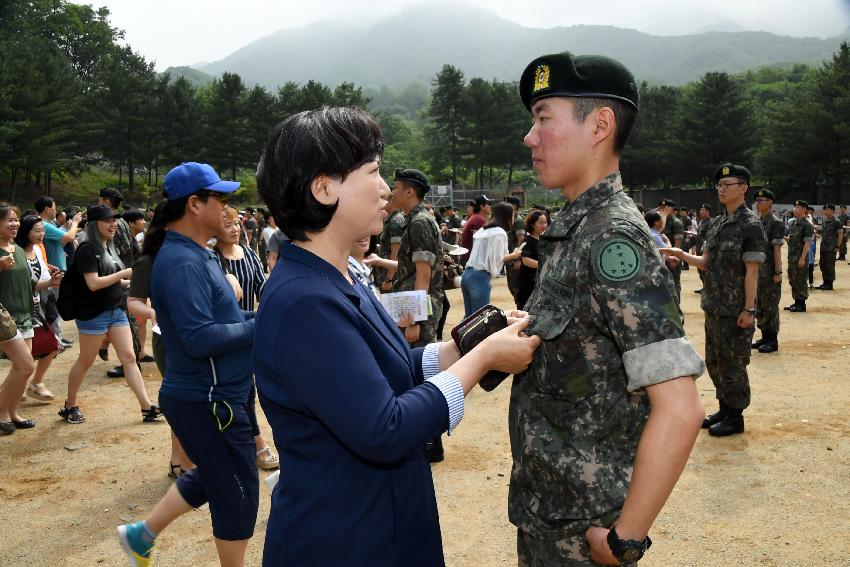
x: 204, y: 194
x: 720, y: 186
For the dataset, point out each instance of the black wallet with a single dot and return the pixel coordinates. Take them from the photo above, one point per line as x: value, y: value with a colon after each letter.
x: 474, y: 329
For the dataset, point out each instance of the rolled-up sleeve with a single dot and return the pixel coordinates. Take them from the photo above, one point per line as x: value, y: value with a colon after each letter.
x: 431, y: 360
x: 662, y: 361
x: 449, y: 385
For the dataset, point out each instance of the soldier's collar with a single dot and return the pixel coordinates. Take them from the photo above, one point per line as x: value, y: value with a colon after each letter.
x: 416, y: 209
x: 736, y: 213
x: 591, y: 199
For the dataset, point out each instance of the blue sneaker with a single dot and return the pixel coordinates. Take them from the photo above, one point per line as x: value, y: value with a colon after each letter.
x: 135, y: 544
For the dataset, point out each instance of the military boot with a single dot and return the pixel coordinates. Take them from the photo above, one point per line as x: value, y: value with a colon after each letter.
x: 798, y: 307
x: 758, y: 343
x: 434, y: 449
x: 733, y: 423
x: 769, y: 344
x: 715, y: 417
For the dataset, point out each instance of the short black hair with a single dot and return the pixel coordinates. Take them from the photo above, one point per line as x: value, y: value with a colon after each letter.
x: 624, y: 116
x: 329, y: 141
x: 417, y: 188
x: 513, y: 201
x: 42, y: 203
x: 652, y: 217
x: 133, y: 215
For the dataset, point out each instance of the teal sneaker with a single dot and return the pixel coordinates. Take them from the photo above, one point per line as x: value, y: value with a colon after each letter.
x: 135, y: 544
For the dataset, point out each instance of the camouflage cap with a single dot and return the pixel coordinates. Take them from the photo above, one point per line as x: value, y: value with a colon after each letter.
x: 568, y: 75
x: 765, y: 194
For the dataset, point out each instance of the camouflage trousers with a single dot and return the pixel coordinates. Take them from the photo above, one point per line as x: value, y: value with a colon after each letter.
x: 827, y: 265
x: 574, y: 551
x: 842, y: 250
x: 512, y: 277
x: 767, y: 305
x: 677, y: 279
x: 798, y: 280
x: 727, y: 355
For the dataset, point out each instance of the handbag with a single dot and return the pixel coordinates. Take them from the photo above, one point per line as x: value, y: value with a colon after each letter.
x: 44, y: 341
x: 474, y: 329
x: 8, y: 328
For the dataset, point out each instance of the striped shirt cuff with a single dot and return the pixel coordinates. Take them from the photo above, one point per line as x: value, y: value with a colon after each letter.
x: 431, y: 360
x: 449, y: 386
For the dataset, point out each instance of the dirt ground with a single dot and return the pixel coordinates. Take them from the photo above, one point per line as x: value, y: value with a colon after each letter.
x: 777, y: 495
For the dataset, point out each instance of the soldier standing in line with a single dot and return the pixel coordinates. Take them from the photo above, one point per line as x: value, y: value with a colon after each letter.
x: 687, y: 240
x: 770, y: 274
x: 832, y: 236
x: 699, y: 241
x: 800, y: 235
x: 592, y: 466
x: 389, y: 242
x: 420, y: 264
x: 675, y: 233
x: 844, y: 219
x: 734, y: 249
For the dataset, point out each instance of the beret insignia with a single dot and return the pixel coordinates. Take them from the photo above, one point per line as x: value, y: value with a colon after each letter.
x: 541, y: 77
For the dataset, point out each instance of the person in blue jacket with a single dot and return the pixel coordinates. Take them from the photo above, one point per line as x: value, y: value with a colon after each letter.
x: 350, y: 405
x: 204, y: 393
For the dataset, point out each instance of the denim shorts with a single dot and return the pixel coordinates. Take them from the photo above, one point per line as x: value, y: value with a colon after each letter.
x: 100, y: 325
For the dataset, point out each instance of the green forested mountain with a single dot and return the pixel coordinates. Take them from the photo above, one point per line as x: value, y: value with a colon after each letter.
x: 195, y: 77
x: 411, y: 48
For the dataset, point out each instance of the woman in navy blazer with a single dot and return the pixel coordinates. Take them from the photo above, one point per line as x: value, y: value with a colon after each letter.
x: 350, y: 404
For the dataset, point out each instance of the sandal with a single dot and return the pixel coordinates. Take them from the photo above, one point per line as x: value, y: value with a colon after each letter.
x: 23, y: 423
x: 176, y: 470
x: 152, y: 414
x: 72, y: 415
x: 267, y: 460
x: 40, y: 392
x: 7, y: 428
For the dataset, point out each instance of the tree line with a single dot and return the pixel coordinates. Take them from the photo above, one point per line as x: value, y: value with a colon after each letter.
x: 72, y: 96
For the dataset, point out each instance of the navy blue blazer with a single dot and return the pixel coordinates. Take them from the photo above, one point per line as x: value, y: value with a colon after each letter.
x: 336, y: 381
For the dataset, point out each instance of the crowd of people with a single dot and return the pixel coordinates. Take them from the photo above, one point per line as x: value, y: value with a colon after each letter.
x: 284, y: 304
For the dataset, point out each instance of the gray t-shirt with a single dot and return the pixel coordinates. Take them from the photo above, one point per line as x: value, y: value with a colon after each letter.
x: 276, y: 242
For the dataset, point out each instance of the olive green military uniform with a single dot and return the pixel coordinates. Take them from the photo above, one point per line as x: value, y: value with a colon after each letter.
x: 800, y: 235
x: 512, y: 268
x: 128, y: 250
x: 674, y: 230
x: 699, y: 242
x: 830, y: 233
x: 769, y: 292
x: 842, y: 250
x: 731, y: 242
x: 606, y: 312
x: 393, y: 227
x: 420, y: 242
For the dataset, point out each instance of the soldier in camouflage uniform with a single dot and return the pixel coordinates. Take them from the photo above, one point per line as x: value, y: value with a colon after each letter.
x: 832, y: 236
x: 843, y: 218
x: 733, y: 251
x: 420, y: 264
x: 699, y: 240
x: 389, y: 244
x: 613, y: 343
x: 675, y: 233
x: 770, y: 274
x: 128, y: 250
x: 800, y: 235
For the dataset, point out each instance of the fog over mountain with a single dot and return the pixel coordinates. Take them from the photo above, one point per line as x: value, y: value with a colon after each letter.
x: 411, y: 47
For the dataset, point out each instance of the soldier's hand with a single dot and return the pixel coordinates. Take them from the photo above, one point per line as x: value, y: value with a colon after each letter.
x: 597, y: 541
x: 801, y: 263
x: 777, y: 278
x: 745, y: 320
x: 411, y: 333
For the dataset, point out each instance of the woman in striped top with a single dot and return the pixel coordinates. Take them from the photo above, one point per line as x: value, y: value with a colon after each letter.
x: 243, y: 263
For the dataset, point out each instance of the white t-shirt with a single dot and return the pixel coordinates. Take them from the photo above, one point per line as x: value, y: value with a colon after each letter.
x: 267, y: 234
x: 489, y: 248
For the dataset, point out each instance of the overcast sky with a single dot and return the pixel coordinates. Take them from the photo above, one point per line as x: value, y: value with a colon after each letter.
x: 183, y: 32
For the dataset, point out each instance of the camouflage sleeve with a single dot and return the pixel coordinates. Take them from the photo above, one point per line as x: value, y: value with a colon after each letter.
x: 634, y: 293
x: 424, y: 241
x: 808, y: 231
x: 777, y: 233
x: 754, y: 243
x: 395, y: 228
x: 678, y: 230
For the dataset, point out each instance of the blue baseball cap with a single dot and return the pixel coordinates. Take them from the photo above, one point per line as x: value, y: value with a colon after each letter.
x: 189, y: 177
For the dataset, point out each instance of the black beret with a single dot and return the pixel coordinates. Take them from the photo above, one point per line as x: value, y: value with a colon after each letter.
x: 666, y: 203
x: 801, y: 203
x: 413, y: 175
x: 842, y: 206
x: 685, y: 209
x: 829, y: 206
x: 705, y: 206
x: 112, y: 193
x: 765, y: 194
x: 732, y: 170
x: 568, y: 75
